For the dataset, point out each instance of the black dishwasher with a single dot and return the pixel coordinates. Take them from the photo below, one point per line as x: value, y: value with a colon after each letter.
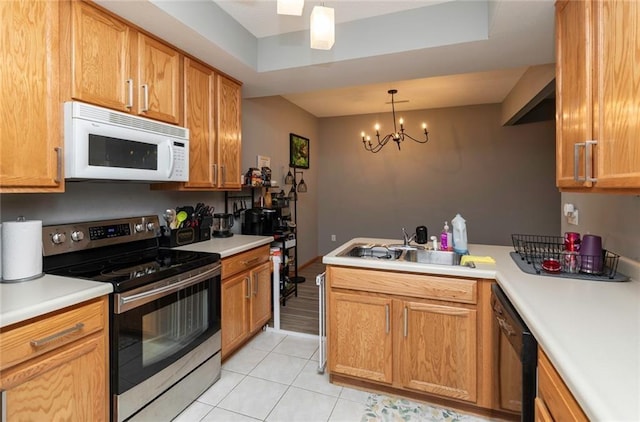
x: 523, y: 343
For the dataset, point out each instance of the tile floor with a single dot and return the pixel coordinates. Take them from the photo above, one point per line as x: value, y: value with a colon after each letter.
x: 275, y: 378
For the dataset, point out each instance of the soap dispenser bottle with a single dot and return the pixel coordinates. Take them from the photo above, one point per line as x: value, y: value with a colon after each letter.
x: 445, y: 237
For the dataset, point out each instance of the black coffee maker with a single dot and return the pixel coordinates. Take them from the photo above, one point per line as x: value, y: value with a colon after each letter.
x: 253, y: 221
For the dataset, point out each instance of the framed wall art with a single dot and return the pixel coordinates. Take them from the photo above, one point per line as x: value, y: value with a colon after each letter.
x: 298, y: 151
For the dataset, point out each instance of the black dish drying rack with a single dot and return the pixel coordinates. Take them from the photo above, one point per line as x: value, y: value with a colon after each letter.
x: 534, y: 251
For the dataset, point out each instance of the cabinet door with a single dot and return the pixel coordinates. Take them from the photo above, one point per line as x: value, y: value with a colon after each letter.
x: 260, y: 296
x: 159, y: 80
x: 64, y: 385
x: 30, y: 126
x: 573, y: 91
x: 199, y: 84
x: 229, y: 133
x: 617, y: 124
x: 101, y: 71
x: 438, y: 349
x: 360, y: 339
x: 235, y: 311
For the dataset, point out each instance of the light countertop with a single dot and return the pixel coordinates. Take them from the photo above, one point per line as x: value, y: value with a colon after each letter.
x: 589, y: 329
x: 29, y: 299
x: 227, y: 246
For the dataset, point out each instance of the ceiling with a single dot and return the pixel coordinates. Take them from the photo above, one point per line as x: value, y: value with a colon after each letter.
x: 435, y: 53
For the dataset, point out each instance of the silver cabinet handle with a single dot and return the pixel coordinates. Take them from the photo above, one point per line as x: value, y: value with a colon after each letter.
x: 129, y: 103
x: 251, y: 261
x: 588, y: 161
x: 145, y: 92
x: 576, y: 160
x: 44, y: 341
x: 248, y: 281
x: 224, y: 174
x: 58, y: 178
x: 406, y: 321
x: 255, y: 282
x: 215, y: 174
x: 386, y: 316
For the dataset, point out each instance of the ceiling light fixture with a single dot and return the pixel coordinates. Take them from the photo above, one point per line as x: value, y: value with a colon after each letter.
x: 322, y: 28
x: 290, y: 7
x: 395, y: 136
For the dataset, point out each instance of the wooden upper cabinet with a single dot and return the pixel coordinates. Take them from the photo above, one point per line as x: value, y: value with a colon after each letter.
x: 617, y: 126
x: 229, y: 139
x: 573, y: 90
x: 101, y: 71
x: 159, y: 80
x: 598, y: 125
x: 30, y: 110
x: 199, y: 94
x: 115, y: 66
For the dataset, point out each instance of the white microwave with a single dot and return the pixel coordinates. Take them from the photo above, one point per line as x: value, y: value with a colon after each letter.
x: 104, y: 144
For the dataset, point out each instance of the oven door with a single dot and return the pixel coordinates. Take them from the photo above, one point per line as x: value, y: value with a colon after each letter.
x: 154, y: 326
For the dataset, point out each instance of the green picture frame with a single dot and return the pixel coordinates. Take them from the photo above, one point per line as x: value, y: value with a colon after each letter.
x: 298, y: 151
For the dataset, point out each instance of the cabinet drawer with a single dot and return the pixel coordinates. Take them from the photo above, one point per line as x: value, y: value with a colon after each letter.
x: 555, y: 394
x: 404, y: 284
x: 244, y: 261
x: 39, y: 335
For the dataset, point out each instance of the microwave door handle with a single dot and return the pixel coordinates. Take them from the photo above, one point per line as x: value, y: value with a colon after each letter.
x: 171, y: 160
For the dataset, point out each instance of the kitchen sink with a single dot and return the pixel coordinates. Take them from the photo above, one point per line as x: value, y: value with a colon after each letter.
x: 425, y: 256
x: 373, y: 252
x: 399, y: 252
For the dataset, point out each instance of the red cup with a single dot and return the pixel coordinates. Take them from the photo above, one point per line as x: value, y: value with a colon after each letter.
x: 572, y: 242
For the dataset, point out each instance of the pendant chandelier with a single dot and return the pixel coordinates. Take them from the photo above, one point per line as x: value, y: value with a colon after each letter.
x: 396, y: 136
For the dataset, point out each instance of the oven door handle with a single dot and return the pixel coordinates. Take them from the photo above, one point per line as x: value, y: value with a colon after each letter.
x: 126, y: 302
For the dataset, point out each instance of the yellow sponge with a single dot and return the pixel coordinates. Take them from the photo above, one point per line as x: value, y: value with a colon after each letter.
x: 476, y: 259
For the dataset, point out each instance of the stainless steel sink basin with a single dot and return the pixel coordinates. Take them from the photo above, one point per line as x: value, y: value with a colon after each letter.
x: 399, y: 252
x: 424, y: 256
x: 372, y: 251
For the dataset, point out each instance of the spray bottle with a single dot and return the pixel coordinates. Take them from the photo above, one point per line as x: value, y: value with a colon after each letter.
x: 459, y: 234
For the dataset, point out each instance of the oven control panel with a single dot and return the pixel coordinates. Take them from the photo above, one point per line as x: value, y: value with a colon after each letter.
x: 57, y: 239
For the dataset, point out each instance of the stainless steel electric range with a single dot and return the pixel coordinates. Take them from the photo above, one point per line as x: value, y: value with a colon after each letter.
x: 164, y: 324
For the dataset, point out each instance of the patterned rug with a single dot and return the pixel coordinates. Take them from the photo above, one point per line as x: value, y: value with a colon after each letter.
x: 395, y: 409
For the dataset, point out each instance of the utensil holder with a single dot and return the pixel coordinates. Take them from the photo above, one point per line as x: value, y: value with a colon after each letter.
x: 179, y: 237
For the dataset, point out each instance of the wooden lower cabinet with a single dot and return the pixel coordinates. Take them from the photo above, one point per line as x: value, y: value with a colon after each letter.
x: 360, y: 336
x: 55, y: 367
x: 438, y: 349
x: 246, y: 297
x: 428, y: 336
x: 554, y: 401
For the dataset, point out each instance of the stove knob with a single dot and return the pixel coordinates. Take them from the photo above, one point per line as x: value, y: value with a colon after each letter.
x: 139, y: 227
x: 58, y: 238
x: 77, y: 236
x: 151, y: 227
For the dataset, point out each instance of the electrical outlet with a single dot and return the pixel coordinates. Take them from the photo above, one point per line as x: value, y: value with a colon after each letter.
x: 572, y: 218
x: 333, y: 237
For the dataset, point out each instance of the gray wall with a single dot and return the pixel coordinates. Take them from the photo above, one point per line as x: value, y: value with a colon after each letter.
x: 614, y: 217
x: 266, y: 124
x: 500, y: 179
x: 85, y: 201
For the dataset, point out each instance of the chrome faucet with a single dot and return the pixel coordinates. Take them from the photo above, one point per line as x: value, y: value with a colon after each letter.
x: 408, y: 239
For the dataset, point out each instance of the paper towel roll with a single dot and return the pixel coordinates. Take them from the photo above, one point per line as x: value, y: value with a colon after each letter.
x: 21, y: 250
